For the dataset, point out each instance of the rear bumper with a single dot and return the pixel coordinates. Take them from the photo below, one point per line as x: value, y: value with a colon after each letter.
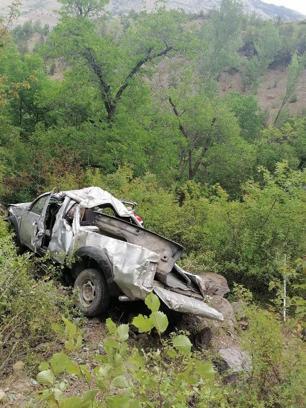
x: 185, y: 304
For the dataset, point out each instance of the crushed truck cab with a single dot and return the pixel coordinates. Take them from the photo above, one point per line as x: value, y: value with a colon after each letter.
x: 111, y: 253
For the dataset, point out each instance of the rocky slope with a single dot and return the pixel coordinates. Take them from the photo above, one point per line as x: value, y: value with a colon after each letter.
x: 46, y: 11
x: 258, y: 7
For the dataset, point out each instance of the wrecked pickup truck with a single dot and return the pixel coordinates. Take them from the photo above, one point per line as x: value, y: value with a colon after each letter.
x: 112, y: 254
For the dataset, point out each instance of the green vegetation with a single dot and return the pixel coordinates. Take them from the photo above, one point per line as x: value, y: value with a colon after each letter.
x: 132, y: 104
x: 28, y: 307
x: 172, y: 375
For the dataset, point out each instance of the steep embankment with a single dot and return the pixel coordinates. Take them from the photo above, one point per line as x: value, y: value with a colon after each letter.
x: 271, y: 91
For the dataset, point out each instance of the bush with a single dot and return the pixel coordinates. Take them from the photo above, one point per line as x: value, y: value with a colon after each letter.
x: 124, y: 376
x: 278, y: 364
x: 28, y: 307
x: 172, y: 374
x: 242, y: 239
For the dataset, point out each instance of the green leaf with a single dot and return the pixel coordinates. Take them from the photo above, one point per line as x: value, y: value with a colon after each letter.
x: 72, y: 402
x: 43, y: 366
x: 70, y: 328
x: 62, y: 386
x: 160, y: 321
x: 122, y: 401
x: 110, y: 345
x: 85, y: 401
x: 204, y: 369
x: 85, y: 372
x: 89, y: 397
x: 73, y: 335
x: 143, y: 323
x: 58, y: 394
x: 120, y: 382
x: 60, y: 362
x: 182, y: 343
x: 46, y: 377
x: 58, y: 329
x: 152, y: 302
x: 103, y: 370
x: 111, y: 326
x: 123, y: 332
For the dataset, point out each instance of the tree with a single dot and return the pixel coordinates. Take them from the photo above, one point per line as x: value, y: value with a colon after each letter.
x: 294, y: 71
x: 6, y: 23
x: 83, y: 8
x: 265, y: 41
x: 112, y: 66
x: 248, y: 113
x: 203, y: 123
x: 220, y: 39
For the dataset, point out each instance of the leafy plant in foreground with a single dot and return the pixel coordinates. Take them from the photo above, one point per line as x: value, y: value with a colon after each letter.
x: 170, y: 376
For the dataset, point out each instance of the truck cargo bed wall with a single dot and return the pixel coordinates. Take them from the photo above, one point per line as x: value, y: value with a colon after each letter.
x: 168, y: 251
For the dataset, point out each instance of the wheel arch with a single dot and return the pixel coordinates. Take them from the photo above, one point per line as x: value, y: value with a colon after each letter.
x: 91, y: 257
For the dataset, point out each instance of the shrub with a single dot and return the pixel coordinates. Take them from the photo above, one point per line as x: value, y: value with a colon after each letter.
x: 278, y: 364
x: 242, y: 239
x: 124, y: 376
x: 172, y: 374
x: 27, y: 307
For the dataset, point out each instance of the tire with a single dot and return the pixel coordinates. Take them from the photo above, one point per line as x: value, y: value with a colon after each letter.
x: 92, y: 292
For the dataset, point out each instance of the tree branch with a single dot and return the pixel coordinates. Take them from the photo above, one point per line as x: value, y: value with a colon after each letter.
x: 105, y: 89
x: 178, y: 115
x: 199, y: 162
x: 149, y: 57
x: 110, y: 102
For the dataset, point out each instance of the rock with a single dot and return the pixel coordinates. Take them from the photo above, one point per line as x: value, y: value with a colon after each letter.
x: 203, y: 338
x: 18, y: 367
x: 214, y: 284
x: 195, y: 324
x: 239, y: 311
x: 234, y: 359
x: 42, y: 347
x: 213, y: 334
x: 223, y: 306
x: 2, y: 396
x: 101, y: 349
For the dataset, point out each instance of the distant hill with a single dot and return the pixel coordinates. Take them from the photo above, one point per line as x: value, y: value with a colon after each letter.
x: 258, y: 7
x: 45, y: 11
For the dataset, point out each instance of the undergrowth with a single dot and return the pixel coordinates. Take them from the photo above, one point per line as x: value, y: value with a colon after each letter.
x: 28, y: 307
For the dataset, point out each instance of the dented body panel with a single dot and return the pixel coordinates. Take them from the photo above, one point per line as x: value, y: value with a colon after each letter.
x: 140, y: 261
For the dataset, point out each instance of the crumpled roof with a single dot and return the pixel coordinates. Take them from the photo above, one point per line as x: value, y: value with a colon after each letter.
x: 94, y: 196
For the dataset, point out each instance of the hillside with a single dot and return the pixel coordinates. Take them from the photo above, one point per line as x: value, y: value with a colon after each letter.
x: 46, y: 11
x: 197, y: 122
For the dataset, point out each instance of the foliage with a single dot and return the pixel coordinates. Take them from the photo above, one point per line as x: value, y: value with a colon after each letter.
x: 278, y: 364
x: 221, y: 39
x: 124, y: 375
x: 133, y: 104
x: 172, y: 374
x: 158, y: 111
x: 83, y: 8
x: 265, y: 43
x: 243, y: 239
x: 294, y: 71
x: 28, y: 307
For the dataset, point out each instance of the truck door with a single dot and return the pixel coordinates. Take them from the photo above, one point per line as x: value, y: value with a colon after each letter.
x: 32, y: 226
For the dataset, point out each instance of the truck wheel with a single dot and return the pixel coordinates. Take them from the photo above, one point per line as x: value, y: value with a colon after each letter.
x: 92, y: 292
